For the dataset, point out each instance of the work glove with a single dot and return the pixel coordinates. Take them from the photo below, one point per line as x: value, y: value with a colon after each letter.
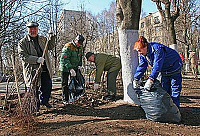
x: 148, y: 84
x: 135, y: 83
x: 72, y: 72
x: 96, y: 86
x: 80, y: 67
x: 40, y: 60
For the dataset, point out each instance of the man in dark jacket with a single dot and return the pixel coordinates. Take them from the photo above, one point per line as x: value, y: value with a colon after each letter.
x: 30, y: 50
x: 70, y: 61
x: 109, y: 63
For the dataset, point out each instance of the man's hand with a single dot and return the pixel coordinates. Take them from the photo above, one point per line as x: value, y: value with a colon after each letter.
x: 148, y: 84
x: 80, y: 67
x: 50, y: 32
x: 72, y: 72
x: 96, y: 86
x: 40, y: 60
x: 135, y: 83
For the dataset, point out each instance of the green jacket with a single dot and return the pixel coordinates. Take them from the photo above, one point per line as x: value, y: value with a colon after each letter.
x: 104, y: 62
x: 71, y: 57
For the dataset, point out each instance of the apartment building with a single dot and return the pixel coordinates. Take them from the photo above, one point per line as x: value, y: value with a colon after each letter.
x: 152, y: 28
x: 70, y: 24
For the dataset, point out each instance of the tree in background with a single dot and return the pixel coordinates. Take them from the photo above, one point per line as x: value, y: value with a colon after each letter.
x: 13, y: 18
x: 169, y: 15
x: 102, y: 33
x: 187, y: 29
x: 128, y: 16
x: 9, y: 27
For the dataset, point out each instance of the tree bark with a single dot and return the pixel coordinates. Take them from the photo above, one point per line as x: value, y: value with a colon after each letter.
x: 170, y: 18
x: 128, y: 15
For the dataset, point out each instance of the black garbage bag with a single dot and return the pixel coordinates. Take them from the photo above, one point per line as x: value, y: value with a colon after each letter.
x: 158, y: 105
x: 76, y: 87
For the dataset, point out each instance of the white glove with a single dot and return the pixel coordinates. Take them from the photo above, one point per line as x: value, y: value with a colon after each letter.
x: 40, y: 60
x: 135, y: 83
x: 72, y: 72
x: 80, y: 67
x: 148, y: 84
x: 96, y: 86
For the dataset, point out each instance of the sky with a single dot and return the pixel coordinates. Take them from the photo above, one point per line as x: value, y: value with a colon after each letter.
x: 97, y: 6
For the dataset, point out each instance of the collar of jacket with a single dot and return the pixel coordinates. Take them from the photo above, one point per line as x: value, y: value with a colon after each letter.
x: 150, y: 50
x: 95, y: 56
x: 74, y: 43
x: 29, y: 37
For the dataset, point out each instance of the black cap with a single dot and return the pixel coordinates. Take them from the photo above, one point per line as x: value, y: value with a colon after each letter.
x: 88, y: 55
x: 32, y: 24
x: 80, y: 39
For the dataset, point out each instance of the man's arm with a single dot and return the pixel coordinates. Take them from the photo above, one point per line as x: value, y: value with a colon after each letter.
x: 100, y: 63
x: 51, y: 42
x: 23, y: 53
x: 141, y: 68
x: 65, y: 58
x: 159, y: 57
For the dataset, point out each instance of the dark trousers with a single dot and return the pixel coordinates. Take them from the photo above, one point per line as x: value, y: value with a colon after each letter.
x: 65, y: 85
x: 43, y: 92
x: 111, y: 82
x: 46, y: 87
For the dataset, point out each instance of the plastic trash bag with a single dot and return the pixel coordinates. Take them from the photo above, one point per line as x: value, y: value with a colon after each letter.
x: 76, y: 87
x: 158, y: 105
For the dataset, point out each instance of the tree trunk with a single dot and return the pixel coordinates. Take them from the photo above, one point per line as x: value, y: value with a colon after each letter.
x: 170, y: 18
x: 128, y: 15
x: 172, y: 36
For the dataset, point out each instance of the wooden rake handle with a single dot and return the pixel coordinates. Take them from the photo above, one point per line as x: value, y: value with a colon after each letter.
x: 37, y: 71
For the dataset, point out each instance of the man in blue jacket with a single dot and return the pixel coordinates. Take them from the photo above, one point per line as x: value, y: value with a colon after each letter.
x: 163, y: 60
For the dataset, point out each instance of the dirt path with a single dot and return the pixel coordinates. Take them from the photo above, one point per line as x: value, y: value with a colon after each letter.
x: 90, y: 116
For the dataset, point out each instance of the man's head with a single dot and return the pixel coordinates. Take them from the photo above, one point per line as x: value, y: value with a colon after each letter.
x: 141, y: 45
x: 32, y: 28
x: 90, y: 56
x: 79, y: 40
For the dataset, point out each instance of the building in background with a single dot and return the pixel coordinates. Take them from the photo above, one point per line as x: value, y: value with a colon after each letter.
x: 152, y: 28
x: 70, y: 24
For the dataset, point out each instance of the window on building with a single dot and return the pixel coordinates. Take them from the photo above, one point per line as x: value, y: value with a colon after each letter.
x: 156, y: 29
x: 156, y: 20
x: 142, y: 25
x: 148, y: 22
x: 143, y: 32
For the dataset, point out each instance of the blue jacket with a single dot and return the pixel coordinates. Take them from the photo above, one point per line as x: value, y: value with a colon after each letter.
x: 162, y: 59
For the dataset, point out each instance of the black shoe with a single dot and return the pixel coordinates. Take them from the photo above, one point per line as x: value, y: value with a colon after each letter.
x: 65, y: 102
x: 109, y: 98
x: 47, y: 105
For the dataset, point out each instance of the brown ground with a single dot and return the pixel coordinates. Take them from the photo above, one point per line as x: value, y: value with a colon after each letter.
x: 90, y: 116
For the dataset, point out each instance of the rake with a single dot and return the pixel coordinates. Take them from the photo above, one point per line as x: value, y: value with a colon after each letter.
x: 28, y: 106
